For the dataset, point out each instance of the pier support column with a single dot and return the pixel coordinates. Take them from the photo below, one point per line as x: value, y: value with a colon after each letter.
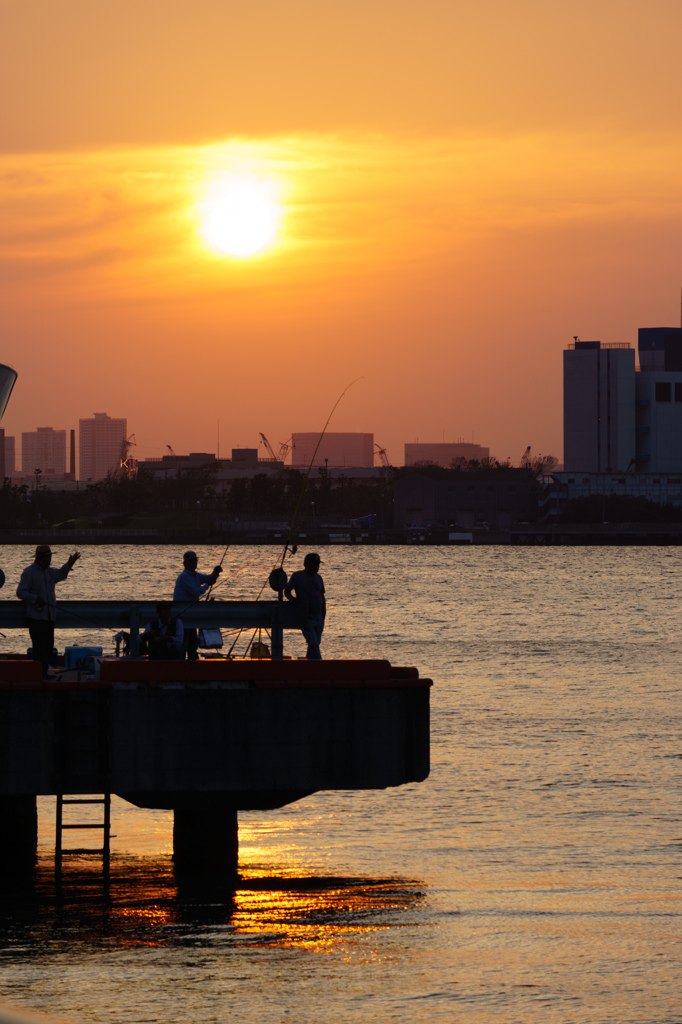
x: 19, y: 830
x: 205, y: 837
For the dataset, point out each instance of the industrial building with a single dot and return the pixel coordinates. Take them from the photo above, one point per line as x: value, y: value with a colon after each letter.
x: 101, y: 442
x: 488, y: 501
x: 444, y: 454
x: 338, y: 450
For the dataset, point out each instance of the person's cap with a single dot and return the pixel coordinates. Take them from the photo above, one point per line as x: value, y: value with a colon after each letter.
x: 189, y: 554
x: 312, y: 557
x: 43, y: 549
x: 163, y: 604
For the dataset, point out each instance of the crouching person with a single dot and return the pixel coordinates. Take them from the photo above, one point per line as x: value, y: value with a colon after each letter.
x: 164, y: 636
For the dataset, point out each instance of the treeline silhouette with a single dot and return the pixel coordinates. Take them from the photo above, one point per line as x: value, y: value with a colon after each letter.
x: 196, y: 497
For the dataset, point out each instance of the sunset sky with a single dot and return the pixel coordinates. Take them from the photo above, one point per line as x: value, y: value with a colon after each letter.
x: 459, y: 187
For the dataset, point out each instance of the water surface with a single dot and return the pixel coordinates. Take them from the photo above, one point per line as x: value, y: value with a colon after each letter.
x: 535, y: 876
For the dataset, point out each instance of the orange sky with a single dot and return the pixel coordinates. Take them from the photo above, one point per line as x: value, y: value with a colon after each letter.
x: 464, y: 187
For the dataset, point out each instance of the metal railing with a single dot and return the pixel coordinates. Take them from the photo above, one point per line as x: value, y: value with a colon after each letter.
x: 274, y: 616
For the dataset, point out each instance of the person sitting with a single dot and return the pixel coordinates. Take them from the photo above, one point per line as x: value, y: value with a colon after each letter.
x: 164, y: 637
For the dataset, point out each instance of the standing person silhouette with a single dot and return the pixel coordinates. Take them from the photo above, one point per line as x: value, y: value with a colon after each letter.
x: 36, y: 590
x: 308, y: 587
x: 189, y: 587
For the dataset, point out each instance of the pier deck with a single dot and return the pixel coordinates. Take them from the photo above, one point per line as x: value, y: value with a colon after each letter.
x: 206, y: 738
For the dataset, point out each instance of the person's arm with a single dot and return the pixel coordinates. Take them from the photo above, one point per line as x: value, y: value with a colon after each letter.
x: 61, y: 574
x: 324, y: 599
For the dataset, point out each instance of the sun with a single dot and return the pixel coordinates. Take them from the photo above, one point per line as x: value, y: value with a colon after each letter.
x: 240, y: 216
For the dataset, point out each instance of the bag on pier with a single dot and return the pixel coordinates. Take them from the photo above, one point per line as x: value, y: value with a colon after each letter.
x: 210, y: 638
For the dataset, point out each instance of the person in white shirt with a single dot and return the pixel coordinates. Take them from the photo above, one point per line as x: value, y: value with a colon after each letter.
x: 36, y: 590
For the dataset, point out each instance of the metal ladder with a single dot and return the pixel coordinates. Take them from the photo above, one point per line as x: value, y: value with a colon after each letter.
x: 105, y: 801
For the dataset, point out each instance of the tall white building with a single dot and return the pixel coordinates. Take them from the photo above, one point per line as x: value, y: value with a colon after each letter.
x: 43, y: 449
x: 100, y: 445
x: 658, y: 386
x: 599, y: 407
x: 618, y: 418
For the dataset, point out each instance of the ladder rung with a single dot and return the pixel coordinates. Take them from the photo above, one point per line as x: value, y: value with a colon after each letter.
x: 104, y: 801
x: 83, y: 825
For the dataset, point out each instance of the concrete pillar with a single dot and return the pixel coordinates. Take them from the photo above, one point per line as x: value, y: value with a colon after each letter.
x: 19, y: 831
x: 205, y: 837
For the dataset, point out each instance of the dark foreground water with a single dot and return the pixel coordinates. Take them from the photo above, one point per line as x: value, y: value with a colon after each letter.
x: 534, y: 877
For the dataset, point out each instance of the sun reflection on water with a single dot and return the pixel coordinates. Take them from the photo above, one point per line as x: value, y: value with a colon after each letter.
x: 144, y: 906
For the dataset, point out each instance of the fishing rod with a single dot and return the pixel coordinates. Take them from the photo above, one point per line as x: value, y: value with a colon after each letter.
x: 220, y: 563
x: 310, y: 467
x: 287, y: 544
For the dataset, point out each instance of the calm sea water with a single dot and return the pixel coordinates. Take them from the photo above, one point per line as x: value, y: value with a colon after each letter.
x: 534, y: 877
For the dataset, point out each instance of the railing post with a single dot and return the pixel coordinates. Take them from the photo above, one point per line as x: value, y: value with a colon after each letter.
x: 134, y: 630
x: 276, y: 630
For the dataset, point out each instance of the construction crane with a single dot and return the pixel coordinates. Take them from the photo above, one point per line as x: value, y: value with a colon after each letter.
x: 268, y: 447
x: 170, y: 450
x: 383, y: 456
x: 284, y: 448
x: 525, y: 458
x: 127, y: 465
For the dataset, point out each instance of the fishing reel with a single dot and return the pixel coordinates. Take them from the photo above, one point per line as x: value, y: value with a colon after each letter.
x: 277, y: 579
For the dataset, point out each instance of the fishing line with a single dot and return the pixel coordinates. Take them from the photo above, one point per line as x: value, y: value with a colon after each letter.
x: 310, y: 467
x: 300, y: 497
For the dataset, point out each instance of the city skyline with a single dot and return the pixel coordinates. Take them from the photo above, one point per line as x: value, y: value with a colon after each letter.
x: 445, y: 225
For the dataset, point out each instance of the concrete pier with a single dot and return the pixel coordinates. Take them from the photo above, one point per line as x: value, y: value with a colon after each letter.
x: 19, y: 833
x: 206, y: 836
x: 207, y: 739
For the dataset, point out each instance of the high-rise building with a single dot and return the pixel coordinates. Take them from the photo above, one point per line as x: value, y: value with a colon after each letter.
x: 443, y: 454
x: 101, y: 440
x: 335, y: 450
x: 618, y: 418
x: 43, y: 449
x: 658, y: 393
x: 599, y: 407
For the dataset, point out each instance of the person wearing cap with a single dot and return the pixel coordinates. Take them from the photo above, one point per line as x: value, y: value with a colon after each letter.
x: 165, y: 636
x: 36, y: 590
x: 306, y: 590
x: 189, y: 587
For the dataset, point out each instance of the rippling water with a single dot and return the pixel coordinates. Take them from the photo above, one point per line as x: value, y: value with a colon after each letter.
x: 535, y: 876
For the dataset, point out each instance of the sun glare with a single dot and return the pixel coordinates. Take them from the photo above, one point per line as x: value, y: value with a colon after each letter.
x: 240, y: 216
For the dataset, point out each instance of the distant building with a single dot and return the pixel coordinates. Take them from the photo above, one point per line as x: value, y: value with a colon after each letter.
x: 169, y: 466
x: 101, y: 441
x: 658, y: 400
x: 599, y: 407
x: 489, y: 501
x: 443, y: 454
x: 10, y: 455
x: 44, y: 449
x: 618, y: 418
x: 336, y: 450
x: 661, y: 488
